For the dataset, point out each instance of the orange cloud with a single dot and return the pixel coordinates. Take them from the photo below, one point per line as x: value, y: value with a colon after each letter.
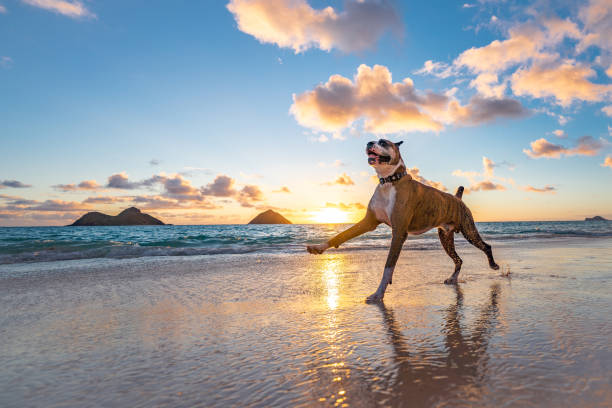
x: 283, y: 189
x: 565, y: 81
x: 596, y: 17
x: 343, y: 206
x: 414, y: 173
x: 607, y: 162
x: 585, y: 146
x: 342, y: 179
x: 74, y: 8
x: 486, y: 185
x: 83, y: 185
x: 545, y: 189
x: 295, y: 24
x: 560, y: 133
x: 524, y: 43
x: 388, y: 107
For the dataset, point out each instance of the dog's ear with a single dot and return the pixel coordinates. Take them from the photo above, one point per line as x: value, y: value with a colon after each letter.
x: 399, y: 143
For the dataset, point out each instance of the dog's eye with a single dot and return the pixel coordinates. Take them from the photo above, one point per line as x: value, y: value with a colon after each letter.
x: 382, y: 143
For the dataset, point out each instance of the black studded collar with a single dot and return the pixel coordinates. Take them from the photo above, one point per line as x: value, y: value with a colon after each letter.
x: 392, y: 178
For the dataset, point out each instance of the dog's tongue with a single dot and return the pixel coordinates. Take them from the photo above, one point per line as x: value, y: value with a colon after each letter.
x: 372, y: 158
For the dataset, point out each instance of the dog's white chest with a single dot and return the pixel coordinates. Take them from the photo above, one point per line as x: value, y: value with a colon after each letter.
x: 382, y: 202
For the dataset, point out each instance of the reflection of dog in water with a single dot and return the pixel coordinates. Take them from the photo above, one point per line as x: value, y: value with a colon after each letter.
x: 409, y: 207
x: 423, y: 376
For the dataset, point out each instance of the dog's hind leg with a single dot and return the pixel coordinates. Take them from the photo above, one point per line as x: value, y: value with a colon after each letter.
x: 469, y: 231
x: 397, y: 241
x: 447, y: 240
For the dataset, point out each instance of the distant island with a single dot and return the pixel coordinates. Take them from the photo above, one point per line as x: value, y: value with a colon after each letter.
x: 596, y: 218
x: 269, y: 217
x: 130, y: 216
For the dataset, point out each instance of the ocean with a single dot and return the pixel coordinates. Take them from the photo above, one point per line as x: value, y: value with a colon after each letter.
x: 44, y: 244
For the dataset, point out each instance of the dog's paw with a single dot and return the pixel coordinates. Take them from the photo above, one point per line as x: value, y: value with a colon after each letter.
x: 450, y: 281
x: 317, y: 249
x: 494, y: 266
x: 374, y: 298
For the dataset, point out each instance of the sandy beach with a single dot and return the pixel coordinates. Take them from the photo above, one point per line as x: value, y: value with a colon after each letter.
x: 293, y: 330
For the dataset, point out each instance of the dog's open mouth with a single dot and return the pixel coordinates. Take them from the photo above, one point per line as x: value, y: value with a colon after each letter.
x: 375, y: 158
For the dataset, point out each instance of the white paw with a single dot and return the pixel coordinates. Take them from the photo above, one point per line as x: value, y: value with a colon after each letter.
x: 317, y: 249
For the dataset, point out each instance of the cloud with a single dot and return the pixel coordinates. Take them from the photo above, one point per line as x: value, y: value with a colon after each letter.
x: 105, y: 200
x: 545, y: 189
x: 388, y: 107
x: 597, y: 19
x: 295, y: 24
x: 282, y: 190
x: 607, y: 162
x: 13, y: 184
x: 154, y: 162
x: 487, y: 85
x: 486, y: 185
x: 83, y: 185
x: 45, y: 206
x: 346, y: 207
x: 488, y: 166
x: 249, y: 194
x: 607, y: 110
x: 468, y: 5
x: 17, y: 201
x: 177, y: 187
x: 524, y: 43
x: 414, y: 173
x: 73, y: 9
x: 564, y: 81
x: 341, y: 179
x: 438, y: 69
x: 560, y: 133
x: 2, y: 9
x: 120, y: 181
x: 481, y: 110
x: 160, y: 202
x: 535, y: 58
x: 585, y: 146
x: 222, y: 186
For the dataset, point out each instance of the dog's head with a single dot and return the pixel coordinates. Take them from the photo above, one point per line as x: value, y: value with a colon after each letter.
x: 383, y: 153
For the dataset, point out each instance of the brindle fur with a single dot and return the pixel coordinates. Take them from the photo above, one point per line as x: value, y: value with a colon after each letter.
x: 417, y: 209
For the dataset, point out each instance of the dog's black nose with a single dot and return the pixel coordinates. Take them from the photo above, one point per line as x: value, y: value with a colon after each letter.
x: 370, y: 144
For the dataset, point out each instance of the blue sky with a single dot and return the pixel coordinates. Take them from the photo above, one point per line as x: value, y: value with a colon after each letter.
x: 229, y: 101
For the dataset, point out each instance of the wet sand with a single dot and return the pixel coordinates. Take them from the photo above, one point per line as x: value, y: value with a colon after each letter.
x: 287, y: 330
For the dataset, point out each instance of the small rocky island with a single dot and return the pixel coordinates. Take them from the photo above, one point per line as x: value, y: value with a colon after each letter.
x: 596, y: 218
x: 130, y: 216
x: 269, y: 217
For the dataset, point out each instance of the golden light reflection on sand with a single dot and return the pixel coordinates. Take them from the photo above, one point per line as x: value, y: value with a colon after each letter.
x: 330, y: 280
x: 334, y: 335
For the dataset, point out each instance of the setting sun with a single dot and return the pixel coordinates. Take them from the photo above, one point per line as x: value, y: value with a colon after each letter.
x: 330, y: 216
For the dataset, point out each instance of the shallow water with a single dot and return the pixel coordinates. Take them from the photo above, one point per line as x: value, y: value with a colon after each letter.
x: 43, y: 244
x: 293, y: 330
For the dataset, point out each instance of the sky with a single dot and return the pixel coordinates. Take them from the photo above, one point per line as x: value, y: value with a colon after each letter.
x: 205, y: 112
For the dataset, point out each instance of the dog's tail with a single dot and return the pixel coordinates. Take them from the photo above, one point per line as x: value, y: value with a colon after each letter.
x: 459, y: 192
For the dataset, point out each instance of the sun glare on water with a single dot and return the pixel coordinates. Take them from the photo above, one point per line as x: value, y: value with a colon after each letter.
x: 330, y: 216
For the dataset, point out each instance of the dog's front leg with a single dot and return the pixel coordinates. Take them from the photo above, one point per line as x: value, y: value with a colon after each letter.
x: 368, y: 223
x: 396, y: 247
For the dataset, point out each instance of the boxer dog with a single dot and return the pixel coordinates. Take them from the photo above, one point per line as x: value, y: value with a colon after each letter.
x: 409, y: 207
